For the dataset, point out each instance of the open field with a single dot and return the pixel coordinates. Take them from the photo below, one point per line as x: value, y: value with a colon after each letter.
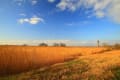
x: 59, y: 63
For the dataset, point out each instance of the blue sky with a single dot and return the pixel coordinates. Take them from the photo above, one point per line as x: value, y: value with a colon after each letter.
x: 84, y: 20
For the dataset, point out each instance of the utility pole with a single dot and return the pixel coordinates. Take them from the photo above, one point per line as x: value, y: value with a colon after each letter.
x: 98, y: 43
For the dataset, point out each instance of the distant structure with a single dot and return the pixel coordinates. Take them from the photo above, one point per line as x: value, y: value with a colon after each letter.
x: 98, y: 43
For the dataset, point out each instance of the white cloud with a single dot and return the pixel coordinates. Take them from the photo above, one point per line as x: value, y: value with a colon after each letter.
x: 51, y: 42
x: 114, y: 11
x: 78, y: 23
x: 101, y: 8
x: 22, y: 14
x: 51, y: 1
x: 23, y: 20
x: 19, y: 2
x: 71, y: 5
x: 22, y: 2
x: 32, y: 42
x: 62, y: 5
x: 34, y: 2
x: 100, y: 14
x: 33, y: 20
x: 70, y: 24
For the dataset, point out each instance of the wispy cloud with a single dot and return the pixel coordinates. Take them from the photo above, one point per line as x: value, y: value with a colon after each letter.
x: 22, y: 2
x: 34, y: 2
x: 78, y: 23
x: 19, y: 2
x: 100, y: 14
x: 22, y: 14
x: 101, y: 8
x: 51, y: 1
x: 32, y: 20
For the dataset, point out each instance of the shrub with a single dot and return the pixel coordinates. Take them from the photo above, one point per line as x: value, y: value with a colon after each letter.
x: 107, y: 45
x: 25, y: 45
x: 43, y: 44
x: 59, y: 44
x: 117, y: 46
x: 56, y: 44
x: 62, y: 44
x: 114, y: 46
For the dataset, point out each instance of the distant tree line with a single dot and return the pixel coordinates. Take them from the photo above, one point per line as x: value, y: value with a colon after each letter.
x: 55, y: 44
x: 114, y: 46
x: 43, y: 44
x: 59, y: 44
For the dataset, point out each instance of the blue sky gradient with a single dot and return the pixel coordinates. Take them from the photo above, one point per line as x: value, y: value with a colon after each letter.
x: 58, y: 20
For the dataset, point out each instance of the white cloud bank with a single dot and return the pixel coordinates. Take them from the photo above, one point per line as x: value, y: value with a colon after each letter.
x: 101, y: 8
x: 32, y: 20
x: 51, y: 42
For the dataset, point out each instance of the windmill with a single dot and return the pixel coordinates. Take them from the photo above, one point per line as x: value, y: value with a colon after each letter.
x: 98, y: 43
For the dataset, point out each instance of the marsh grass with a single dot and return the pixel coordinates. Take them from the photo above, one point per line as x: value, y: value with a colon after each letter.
x: 17, y: 59
x: 61, y: 63
x: 71, y: 70
x: 116, y: 72
x: 11, y: 77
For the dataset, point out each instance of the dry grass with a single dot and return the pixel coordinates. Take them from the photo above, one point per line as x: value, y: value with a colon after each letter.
x: 104, y: 66
x: 14, y: 59
x: 73, y: 63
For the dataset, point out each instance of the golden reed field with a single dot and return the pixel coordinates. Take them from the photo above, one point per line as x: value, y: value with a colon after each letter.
x: 59, y: 63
